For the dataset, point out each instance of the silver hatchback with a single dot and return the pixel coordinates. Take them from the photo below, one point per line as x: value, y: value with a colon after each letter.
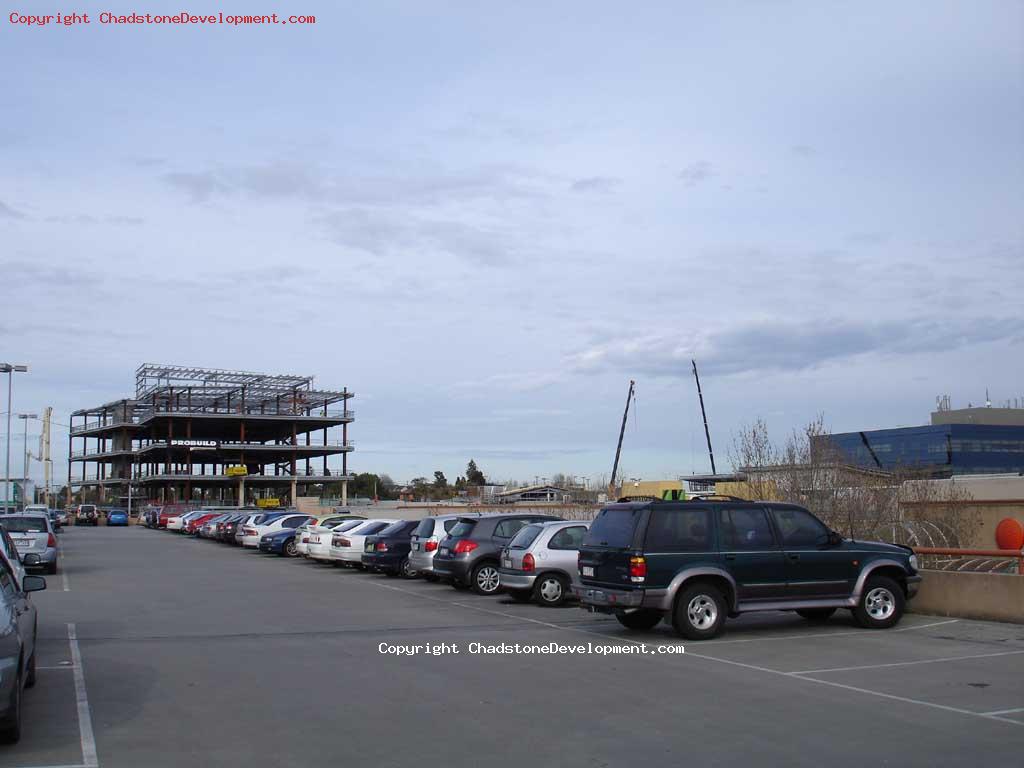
x: 540, y: 563
x: 425, y: 540
x: 34, y: 538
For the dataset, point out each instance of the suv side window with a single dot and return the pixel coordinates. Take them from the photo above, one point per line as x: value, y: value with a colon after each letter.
x: 568, y: 538
x: 799, y: 528
x: 679, y: 530
x: 745, y: 528
x: 506, y: 529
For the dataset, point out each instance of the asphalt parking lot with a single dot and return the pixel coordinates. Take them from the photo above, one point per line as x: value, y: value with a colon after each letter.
x: 160, y: 650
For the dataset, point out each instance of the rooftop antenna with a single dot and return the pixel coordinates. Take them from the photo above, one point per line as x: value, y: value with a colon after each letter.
x: 704, y: 415
x: 988, y: 402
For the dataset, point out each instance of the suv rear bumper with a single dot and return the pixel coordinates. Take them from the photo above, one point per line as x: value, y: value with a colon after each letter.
x: 606, y: 600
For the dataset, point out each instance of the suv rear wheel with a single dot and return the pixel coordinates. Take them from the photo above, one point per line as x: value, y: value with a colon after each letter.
x: 699, y: 611
x: 485, y: 579
x: 881, y: 603
x: 641, y: 618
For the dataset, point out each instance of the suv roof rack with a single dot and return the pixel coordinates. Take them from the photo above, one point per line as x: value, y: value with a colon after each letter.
x: 714, y: 497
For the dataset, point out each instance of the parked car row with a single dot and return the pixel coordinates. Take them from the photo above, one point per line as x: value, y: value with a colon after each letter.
x: 27, y: 540
x: 691, y: 563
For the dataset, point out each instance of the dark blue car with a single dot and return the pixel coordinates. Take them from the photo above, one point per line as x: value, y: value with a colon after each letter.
x: 279, y: 543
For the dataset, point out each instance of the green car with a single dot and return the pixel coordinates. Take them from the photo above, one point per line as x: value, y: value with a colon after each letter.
x: 697, y: 562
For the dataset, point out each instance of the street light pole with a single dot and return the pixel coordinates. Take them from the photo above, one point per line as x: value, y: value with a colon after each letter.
x: 10, y: 369
x: 24, y: 476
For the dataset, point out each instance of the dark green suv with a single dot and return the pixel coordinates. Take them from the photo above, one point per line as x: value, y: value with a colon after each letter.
x: 696, y: 562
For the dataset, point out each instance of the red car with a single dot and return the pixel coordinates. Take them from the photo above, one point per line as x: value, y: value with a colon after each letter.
x: 192, y: 526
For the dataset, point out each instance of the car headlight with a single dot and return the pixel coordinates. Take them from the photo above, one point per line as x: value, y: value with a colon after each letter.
x: 913, y: 562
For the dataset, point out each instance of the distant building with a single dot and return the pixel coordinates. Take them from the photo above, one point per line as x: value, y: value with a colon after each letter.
x: 654, y: 488
x: 966, y: 441
x: 535, y: 493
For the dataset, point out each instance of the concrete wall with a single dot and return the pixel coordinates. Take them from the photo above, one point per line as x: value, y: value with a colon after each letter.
x: 991, y: 596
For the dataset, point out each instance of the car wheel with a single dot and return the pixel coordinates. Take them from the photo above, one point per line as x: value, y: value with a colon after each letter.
x: 551, y: 589
x: 10, y: 726
x: 699, y: 612
x: 407, y: 571
x: 291, y: 549
x: 881, y: 603
x: 485, y: 579
x: 640, y: 619
x: 816, y: 614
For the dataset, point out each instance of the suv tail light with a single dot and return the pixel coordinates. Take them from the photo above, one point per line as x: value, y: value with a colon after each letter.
x: 51, y: 540
x: 637, y: 569
x: 430, y: 546
x: 464, y: 547
x: 528, y: 562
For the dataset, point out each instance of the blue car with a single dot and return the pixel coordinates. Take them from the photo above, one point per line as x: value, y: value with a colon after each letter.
x: 279, y: 543
x: 117, y: 517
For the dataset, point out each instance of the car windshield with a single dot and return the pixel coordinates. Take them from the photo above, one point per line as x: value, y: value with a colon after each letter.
x: 525, y: 537
x: 462, y: 528
x: 24, y: 524
x: 612, y: 528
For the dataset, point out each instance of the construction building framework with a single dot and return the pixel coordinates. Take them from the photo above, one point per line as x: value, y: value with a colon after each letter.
x: 198, y: 435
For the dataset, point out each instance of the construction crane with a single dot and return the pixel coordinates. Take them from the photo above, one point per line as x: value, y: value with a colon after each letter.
x: 618, y: 447
x: 704, y: 415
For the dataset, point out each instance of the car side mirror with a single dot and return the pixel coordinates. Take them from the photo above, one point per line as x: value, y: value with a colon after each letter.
x: 33, y: 584
x: 30, y: 559
x: 834, y: 539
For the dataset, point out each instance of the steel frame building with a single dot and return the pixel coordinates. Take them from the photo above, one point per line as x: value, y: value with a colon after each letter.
x: 201, y: 434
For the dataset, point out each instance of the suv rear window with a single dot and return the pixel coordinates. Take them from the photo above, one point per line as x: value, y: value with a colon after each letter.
x: 613, y: 528
x: 425, y: 529
x: 525, y: 537
x: 462, y: 528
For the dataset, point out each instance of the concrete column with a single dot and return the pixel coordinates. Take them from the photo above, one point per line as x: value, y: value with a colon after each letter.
x: 344, y: 493
x: 295, y: 492
x: 241, y: 492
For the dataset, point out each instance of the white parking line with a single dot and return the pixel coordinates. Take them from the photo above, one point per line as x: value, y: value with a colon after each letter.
x: 863, y: 632
x: 63, y: 570
x: 1004, y: 711
x: 907, y: 663
x: 89, y: 759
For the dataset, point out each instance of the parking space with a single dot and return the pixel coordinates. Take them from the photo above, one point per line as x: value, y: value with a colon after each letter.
x: 193, y: 651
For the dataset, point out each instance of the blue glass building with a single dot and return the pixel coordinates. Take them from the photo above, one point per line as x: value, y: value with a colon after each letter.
x: 940, y: 450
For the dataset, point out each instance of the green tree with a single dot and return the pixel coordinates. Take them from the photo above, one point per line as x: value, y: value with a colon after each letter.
x: 440, y: 481
x: 473, y: 475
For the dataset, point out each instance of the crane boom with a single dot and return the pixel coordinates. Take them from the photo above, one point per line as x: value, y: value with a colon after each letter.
x: 618, y: 448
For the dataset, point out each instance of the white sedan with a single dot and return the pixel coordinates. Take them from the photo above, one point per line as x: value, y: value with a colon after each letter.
x: 347, y: 548
x: 251, y: 533
x: 177, y: 522
x: 318, y: 546
x: 302, y: 534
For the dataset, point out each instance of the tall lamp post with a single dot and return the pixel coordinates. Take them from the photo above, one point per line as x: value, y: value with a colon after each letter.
x: 10, y: 369
x: 24, y: 476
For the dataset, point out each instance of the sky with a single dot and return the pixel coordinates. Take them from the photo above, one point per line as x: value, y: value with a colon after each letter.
x: 486, y: 218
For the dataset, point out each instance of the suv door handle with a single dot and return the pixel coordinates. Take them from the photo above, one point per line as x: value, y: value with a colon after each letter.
x: 794, y: 556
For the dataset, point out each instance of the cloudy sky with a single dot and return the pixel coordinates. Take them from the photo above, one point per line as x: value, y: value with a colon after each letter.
x: 485, y: 218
